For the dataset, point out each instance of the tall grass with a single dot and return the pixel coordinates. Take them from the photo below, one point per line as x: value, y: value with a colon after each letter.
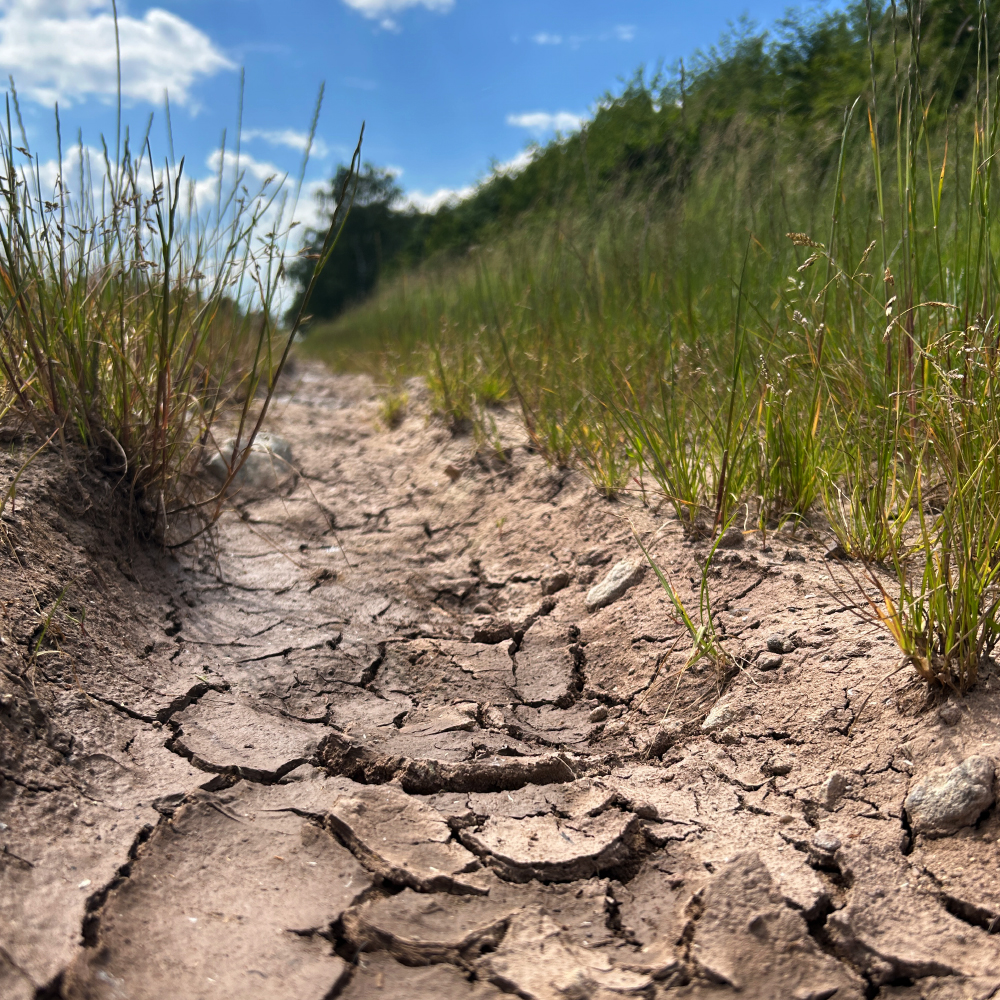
x: 805, y: 327
x: 137, y: 309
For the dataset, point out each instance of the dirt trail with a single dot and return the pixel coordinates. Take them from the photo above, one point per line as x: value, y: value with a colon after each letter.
x: 372, y: 743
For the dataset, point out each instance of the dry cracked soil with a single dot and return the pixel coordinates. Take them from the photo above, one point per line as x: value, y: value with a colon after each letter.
x: 372, y: 740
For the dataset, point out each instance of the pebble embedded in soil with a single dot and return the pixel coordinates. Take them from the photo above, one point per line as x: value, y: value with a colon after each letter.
x: 721, y: 716
x: 833, y: 788
x: 778, y: 643
x: 770, y: 662
x: 942, y: 805
x: 622, y: 576
x: 267, y: 466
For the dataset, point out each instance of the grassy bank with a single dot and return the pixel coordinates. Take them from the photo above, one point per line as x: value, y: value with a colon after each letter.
x: 806, y: 324
x: 139, y: 313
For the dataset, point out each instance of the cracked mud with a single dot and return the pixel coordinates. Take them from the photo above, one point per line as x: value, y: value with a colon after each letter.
x: 379, y: 739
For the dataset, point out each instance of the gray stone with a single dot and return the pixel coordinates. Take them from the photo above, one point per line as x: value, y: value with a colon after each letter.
x: 623, y: 575
x: 825, y: 843
x: 268, y: 466
x: 554, y: 582
x: 778, y: 643
x: 776, y: 767
x: 770, y: 661
x: 940, y: 806
x: 793, y: 555
x: 833, y: 788
x: 950, y: 714
x: 599, y: 714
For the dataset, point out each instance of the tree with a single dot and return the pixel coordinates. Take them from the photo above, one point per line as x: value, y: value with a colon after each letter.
x: 375, y: 233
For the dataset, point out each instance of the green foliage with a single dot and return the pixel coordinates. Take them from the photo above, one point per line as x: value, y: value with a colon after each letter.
x: 135, y: 322
x: 373, y: 233
x: 773, y: 291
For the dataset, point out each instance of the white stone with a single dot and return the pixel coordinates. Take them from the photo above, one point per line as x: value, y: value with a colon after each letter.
x: 622, y: 576
x: 268, y: 466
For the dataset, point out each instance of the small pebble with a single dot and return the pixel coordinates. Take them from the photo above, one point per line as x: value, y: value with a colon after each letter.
x: 779, y: 644
x: 599, y: 714
x: 826, y: 843
x: 770, y: 662
x: 833, y: 788
x: 552, y: 583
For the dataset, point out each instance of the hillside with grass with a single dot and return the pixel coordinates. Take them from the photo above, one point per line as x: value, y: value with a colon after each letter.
x: 760, y: 289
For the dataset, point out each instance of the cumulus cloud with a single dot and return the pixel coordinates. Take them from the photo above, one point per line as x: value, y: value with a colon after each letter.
x: 512, y: 167
x: 436, y: 199
x: 452, y: 196
x: 540, y: 122
x: 383, y: 10
x: 65, y: 50
x: 545, y: 38
x: 289, y: 137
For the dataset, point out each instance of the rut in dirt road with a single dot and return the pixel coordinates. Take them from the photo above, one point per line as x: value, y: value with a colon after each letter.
x: 372, y: 742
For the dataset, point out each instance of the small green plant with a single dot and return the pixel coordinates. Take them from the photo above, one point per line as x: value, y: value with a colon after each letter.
x: 392, y: 409
x: 704, y: 636
x: 945, y: 616
x: 868, y: 507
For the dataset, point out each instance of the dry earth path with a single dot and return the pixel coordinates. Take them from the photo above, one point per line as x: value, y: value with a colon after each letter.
x: 375, y: 742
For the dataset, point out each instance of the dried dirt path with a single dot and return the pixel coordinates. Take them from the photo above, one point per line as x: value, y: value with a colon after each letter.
x: 373, y: 743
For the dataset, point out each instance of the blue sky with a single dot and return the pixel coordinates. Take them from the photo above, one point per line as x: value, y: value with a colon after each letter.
x: 446, y: 86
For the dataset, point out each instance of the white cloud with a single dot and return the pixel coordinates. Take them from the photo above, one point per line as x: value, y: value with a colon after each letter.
x: 65, y: 50
x: 625, y: 32
x: 382, y: 10
x: 432, y: 202
x: 544, y: 38
x: 451, y: 196
x: 289, y: 137
x: 540, y: 122
x: 511, y: 168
